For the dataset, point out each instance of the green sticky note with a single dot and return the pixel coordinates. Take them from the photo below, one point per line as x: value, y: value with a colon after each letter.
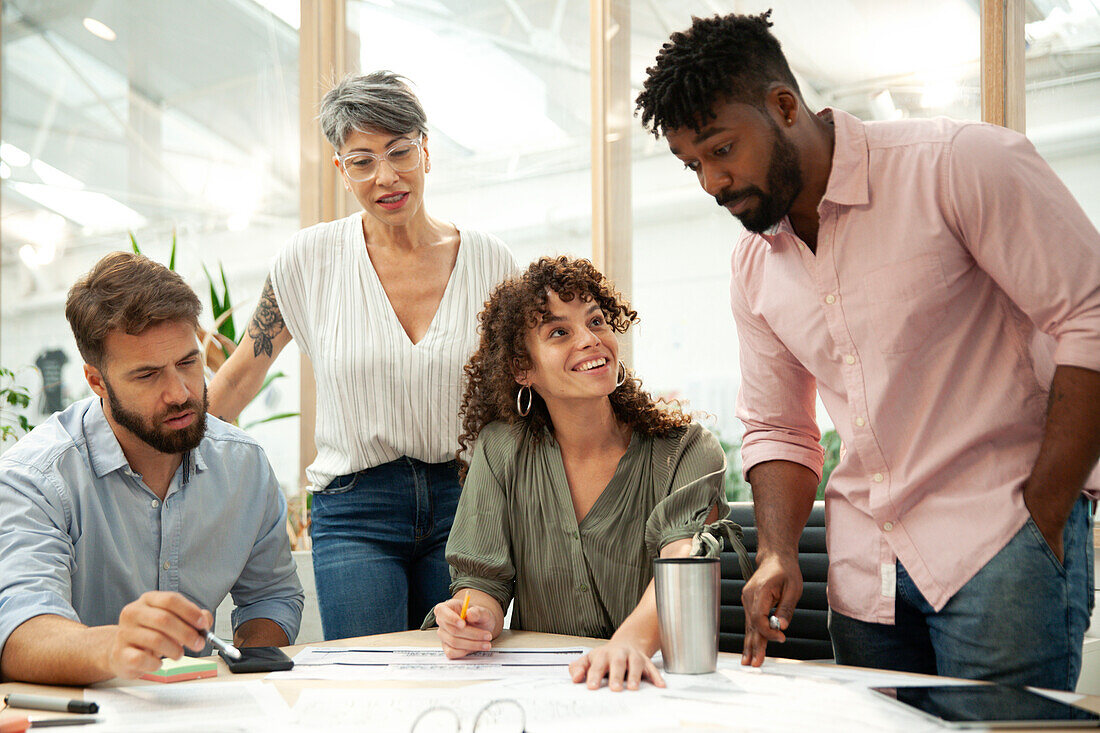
x: 184, y: 668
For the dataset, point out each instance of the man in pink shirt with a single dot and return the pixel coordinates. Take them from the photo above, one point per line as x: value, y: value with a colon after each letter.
x: 939, y: 287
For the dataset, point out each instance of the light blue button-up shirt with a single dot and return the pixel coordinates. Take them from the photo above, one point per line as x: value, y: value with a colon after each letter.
x: 81, y: 535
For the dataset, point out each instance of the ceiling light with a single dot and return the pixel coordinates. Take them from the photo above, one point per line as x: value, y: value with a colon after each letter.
x: 34, y: 257
x: 43, y: 232
x: 13, y: 156
x: 97, y: 212
x: 53, y: 177
x: 99, y: 29
x: 5, y: 170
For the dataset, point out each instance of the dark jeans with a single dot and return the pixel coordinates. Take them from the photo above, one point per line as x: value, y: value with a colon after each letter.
x: 1020, y: 621
x: 378, y: 546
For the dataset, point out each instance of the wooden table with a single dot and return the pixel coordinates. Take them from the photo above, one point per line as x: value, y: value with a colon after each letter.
x: 290, y: 689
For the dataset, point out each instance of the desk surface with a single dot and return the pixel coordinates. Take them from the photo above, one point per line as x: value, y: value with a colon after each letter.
x: 290, y: 689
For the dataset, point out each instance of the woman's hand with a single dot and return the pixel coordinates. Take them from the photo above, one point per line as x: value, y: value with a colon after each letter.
x: 459, y: 637
x: 620, y: 660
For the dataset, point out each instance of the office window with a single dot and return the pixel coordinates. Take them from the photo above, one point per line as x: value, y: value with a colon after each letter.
x: 158, y: 118
x: 505, y: 85
x: 1063, y: 94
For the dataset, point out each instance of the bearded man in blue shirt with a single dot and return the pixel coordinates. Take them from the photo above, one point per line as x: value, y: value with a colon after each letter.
x: 126, y: 518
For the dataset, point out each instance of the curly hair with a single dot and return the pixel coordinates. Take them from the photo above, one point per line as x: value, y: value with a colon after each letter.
x: 514, y: 308
x: 731, y: 57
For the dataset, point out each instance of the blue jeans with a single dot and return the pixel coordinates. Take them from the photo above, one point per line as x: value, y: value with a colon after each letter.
x: 378, y: 546
x: 1020, y: 621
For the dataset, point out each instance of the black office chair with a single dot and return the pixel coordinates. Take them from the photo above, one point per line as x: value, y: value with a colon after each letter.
x: 808, y: 633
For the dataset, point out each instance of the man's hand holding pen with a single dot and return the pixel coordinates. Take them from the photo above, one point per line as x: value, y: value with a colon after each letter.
x: 159, y: 624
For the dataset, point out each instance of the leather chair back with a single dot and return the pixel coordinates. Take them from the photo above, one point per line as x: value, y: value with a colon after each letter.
x: 808, y: 633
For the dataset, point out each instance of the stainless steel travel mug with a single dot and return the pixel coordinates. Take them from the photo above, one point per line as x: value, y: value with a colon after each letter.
x: 687, y: 611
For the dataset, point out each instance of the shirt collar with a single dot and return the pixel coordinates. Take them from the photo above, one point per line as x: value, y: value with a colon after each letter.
x: 195, y: 457
x: 773, y: 235
x: 848, y: 183
x: 105, y: 452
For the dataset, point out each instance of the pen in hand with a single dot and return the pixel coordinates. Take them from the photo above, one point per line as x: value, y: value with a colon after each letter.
x: 223, y: 646
x: 465, y: 606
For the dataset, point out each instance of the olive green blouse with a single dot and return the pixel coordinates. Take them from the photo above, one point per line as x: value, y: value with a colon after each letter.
x: 516, y: 537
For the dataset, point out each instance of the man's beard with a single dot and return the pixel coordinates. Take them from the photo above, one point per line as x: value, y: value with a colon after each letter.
x: 151, y: 432
x: 784, y: 184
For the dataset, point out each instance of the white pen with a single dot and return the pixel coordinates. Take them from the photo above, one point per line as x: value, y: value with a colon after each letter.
x: 224, y: 646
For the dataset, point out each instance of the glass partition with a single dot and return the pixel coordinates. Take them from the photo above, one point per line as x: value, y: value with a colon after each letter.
x: 505, y: 85
x: 1062, y: 76
x: 168, y: 121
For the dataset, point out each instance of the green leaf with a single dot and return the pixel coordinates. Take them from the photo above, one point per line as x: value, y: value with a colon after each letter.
x: 271, y: 418
x: 227, y: 327
x: 172, y: 257
x: 134, y: 244
x: 215, y: 304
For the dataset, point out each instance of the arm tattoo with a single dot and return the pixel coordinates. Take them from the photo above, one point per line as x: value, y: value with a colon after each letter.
x: 267, y: 322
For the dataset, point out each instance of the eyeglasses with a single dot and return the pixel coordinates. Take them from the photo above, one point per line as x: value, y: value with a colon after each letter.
x: 402, y: 156
x: 498, y: 716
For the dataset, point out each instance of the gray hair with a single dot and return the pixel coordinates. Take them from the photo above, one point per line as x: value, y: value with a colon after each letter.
x: 380, y: 100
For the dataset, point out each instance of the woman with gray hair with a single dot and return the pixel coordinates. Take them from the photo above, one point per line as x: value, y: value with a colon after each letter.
x: 385, y: 304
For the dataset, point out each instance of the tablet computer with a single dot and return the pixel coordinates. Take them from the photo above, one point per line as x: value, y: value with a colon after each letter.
x: 990, y: 706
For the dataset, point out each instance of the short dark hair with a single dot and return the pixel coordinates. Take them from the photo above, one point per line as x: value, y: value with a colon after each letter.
x: 730, y: 57
x: 126, y: 292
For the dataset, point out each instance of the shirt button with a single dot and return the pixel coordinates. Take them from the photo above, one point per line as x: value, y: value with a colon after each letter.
x: 860, y: 422
x: 830, y: 298
x: 877, y: 478
x: 167, y: 564
x: 888, y: 526
x: 849, y: 359
x: 582, y: 588
x: 154, y: 503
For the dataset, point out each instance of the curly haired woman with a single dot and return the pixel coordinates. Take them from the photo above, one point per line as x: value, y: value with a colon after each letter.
x: 578, y: 479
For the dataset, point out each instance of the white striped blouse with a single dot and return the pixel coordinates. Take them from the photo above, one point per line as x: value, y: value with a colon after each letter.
x: 379, y: 396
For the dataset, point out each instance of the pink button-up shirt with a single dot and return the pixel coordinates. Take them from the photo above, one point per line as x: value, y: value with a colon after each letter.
x: 953, y: 272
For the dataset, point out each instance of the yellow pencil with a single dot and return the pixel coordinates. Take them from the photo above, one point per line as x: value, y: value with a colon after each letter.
x: 465, y: 605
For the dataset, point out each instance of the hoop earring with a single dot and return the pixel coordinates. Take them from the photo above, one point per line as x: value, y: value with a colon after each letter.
x: 622, y: 379
x: 523, y: 411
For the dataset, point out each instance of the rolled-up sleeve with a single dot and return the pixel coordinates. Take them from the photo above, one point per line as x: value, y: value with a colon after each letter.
x: 1008, y: 205
x: 268, y: 587
x: 776, y: 401
x: 36, y: 550
x: 479, y: 546
x: 697, y: 485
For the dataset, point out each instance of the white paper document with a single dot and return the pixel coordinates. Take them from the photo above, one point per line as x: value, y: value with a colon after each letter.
x: 549, y: 708
x: 764, y: 702
x: 222, y: 707
x: 424, y: 663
